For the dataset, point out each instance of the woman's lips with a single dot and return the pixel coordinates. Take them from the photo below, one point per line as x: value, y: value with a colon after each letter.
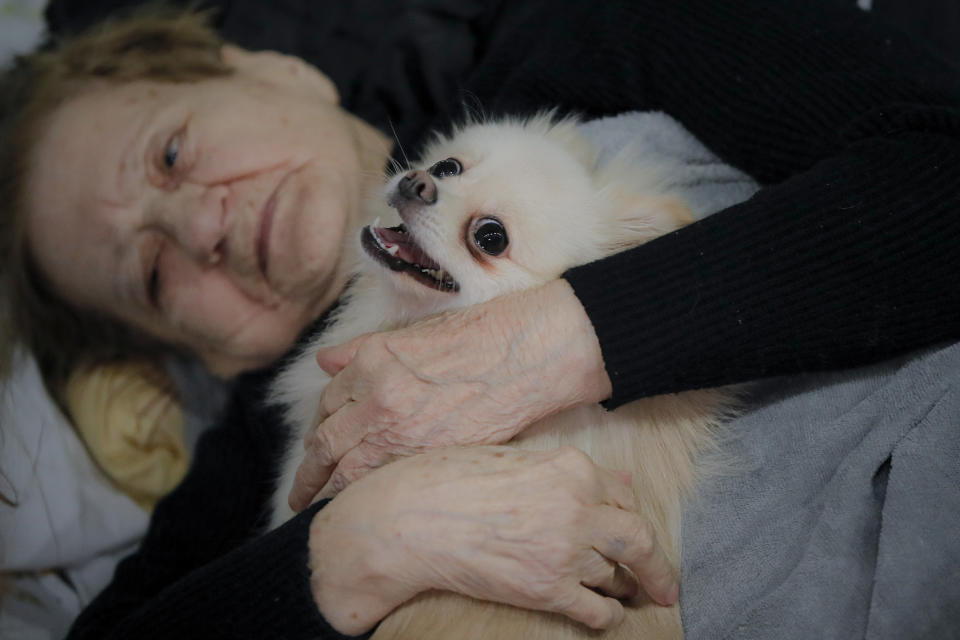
x: 263, y: 233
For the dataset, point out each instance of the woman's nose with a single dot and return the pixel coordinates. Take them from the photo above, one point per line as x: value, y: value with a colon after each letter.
x: 199, y: 221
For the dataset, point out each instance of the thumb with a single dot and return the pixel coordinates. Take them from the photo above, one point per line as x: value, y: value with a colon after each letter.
x: 333, y: 359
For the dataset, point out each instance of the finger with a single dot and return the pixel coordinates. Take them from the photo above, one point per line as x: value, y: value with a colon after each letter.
x: 630, y: 540
x: 310, y: 476
x: 357, y: 463
x: 625, y: 478
x: 338, y: 393
x: 592, y: 609
x: 618, y: 491
x: 331, y: 441
x: 333, y: 359
x: 611, y: 578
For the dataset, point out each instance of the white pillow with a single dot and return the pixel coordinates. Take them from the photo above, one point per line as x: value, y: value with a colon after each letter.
x: 68, y: 516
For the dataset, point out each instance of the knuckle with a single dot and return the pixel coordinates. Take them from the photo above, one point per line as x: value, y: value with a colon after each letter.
x: 566, y: 550
x: 390, y: 401
x: 553, y: 595
x: 643, y: 541
x: 376, y: 444
x: 598, y: 567
x: 595, y: 618
x: 355, y: 468
x: 339, y: 482
x: 383, y: 397
x: 364, y: 456
x: 567, y: 602
x: 369, y: 349
x: 322, y: 447
x: 575, y: 459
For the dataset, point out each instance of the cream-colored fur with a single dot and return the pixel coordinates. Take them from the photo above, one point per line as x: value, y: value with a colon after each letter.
x: 541, y: 179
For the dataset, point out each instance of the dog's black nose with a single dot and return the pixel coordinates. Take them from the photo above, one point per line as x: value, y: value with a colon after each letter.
x: 418, y: 186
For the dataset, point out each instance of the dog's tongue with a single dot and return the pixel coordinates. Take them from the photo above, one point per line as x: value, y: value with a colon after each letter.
x: 407, y: 250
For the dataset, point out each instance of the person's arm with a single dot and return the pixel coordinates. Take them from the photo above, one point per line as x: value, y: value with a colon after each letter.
x: 847, y: 256
x: 445, y: 520
x: 544, y: 530
x: 203, y: 568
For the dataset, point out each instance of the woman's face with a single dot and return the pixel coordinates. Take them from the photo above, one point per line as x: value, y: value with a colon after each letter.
x: 210, y: 214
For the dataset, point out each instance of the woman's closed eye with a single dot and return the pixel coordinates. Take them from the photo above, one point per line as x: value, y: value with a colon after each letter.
x: 153, y: 273
x: 153, y: 285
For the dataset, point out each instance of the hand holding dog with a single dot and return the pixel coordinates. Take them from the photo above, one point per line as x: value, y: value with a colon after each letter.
x: 533, y: 529
x: 474, y: 376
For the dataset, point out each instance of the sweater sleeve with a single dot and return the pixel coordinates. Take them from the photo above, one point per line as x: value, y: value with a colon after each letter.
x: 203, y: 569
x: 847, y: 254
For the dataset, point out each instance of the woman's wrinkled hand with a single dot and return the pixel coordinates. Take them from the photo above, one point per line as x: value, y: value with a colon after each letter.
x: 474, y: 376
x: 540, y: 530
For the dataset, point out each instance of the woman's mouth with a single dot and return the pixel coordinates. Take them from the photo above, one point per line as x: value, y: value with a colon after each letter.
x: 396, y: 249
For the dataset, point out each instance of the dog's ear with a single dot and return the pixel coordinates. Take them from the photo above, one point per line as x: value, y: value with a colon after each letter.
x: 638, y: 219
x: 565, y: 132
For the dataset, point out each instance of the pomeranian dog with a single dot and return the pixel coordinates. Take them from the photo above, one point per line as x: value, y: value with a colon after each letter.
x: 496, y: 207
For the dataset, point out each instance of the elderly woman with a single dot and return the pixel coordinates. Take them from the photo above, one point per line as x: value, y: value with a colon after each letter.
x: 169, y: 191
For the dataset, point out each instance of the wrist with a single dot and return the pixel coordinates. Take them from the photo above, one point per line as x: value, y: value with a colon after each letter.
x: 340, y: 578
x: 354, y: 577
x: 587, y: 380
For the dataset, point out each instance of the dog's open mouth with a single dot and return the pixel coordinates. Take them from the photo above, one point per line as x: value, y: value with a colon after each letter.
x: 396, y: 249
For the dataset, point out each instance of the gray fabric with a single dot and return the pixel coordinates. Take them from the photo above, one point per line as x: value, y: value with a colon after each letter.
x: 203, y: 396
x: 655, y: 140
x: 841, y: 519
x: 839, y: 514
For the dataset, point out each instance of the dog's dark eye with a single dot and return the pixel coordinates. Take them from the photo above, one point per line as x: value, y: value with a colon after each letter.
x: 491, y: 236
x: 446, y: 168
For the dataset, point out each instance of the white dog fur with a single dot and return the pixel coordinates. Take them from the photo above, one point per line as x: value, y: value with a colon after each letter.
x: 561, y: 207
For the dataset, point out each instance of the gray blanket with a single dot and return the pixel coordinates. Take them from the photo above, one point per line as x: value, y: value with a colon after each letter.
x: 840, y: 516
x: 844, y: 519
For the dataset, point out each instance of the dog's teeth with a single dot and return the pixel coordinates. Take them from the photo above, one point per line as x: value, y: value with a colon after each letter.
x: 392, y: 249
x: 375, y: 223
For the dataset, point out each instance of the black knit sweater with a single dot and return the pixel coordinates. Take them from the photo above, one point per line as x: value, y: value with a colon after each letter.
x: 847, y: 255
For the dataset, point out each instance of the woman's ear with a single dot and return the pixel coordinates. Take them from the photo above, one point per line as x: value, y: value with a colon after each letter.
x: 277, y: 68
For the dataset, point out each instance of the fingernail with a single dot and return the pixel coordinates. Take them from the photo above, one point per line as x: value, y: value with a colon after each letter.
x: 673, y: 594
x: 618, y: 615
x: 294, y: 503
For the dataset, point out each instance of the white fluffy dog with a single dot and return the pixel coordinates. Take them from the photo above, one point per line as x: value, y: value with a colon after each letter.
x: 494, y: 208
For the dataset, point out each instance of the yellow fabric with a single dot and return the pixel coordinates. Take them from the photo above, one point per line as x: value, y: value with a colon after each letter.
x: 132, y: 423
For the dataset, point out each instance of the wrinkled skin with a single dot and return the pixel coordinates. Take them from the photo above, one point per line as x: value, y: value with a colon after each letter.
x: 474, y: 376
x: 158, y: 204
x: 532, y: 529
